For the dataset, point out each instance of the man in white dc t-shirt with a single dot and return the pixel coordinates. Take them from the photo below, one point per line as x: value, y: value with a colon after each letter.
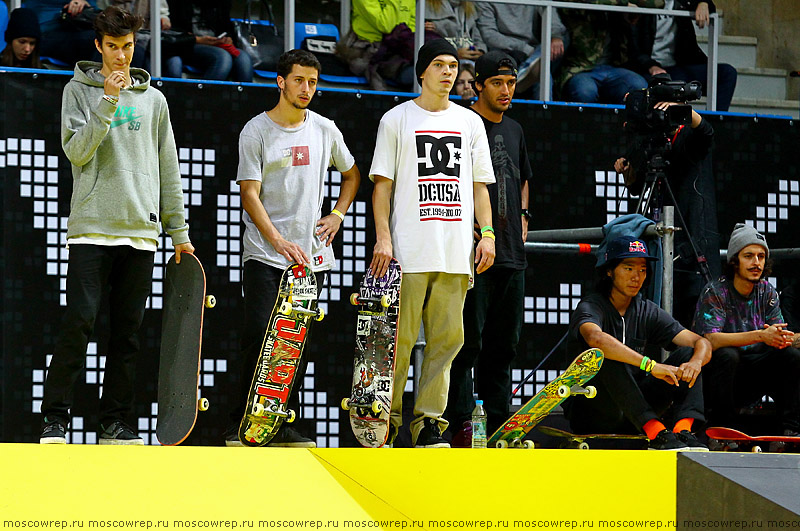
x: 430, y: 168
x: 284, y: 155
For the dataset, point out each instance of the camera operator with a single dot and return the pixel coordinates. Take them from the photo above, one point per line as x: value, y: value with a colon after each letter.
x: 670, y: 138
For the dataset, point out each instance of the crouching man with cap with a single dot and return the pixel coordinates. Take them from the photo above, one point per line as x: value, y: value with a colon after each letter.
x: 754, y: 353
x: 635, y: 392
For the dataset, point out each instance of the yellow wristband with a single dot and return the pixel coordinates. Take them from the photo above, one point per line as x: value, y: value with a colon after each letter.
x: 488, y: 234
x: 337, y: 213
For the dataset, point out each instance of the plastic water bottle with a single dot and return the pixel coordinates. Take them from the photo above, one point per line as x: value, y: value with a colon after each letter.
x: 479, y: 425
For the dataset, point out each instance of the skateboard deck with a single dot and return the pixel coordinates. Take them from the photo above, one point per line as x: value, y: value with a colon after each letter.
x: 280, y: 354
x: 181, y: 343
x: 728, y: 435
x: 571, y: 382
x: 579, y: 440
x: 370, y: 401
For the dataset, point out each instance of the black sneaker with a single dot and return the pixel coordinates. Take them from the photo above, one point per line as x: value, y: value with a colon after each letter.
x: 691, y: 441
x: 119, y: 433
x: 666, y: 440
x: 391, y: 437
x: 231, y: 437
x: 53, y: 432
x: 289, y: 438
x: 430, y: 436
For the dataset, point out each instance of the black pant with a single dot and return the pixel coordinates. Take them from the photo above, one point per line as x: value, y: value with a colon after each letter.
x: 738, y: 377
x: 627, y: 398
x: 493, y: 312
x: 261, y: 283
x: 127, y: 273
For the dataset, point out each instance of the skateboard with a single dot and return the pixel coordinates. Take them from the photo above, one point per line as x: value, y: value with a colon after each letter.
x: 579, y: 441
x: 571, y: 382
x: 731, y: 438
x: 181, y: 342
x: 281, y: 349
x: 370, y: 401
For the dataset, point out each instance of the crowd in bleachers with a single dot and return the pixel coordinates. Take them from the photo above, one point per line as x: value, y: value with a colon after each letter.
x: 597, y: 56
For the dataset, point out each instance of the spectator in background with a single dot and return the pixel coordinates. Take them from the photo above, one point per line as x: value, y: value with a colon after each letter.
x: 463, y: 86
x: 370, y: 22
x: 515, y: 30
x: 22, y: 40
x: 592, y: 70
x: 669, y: 44
x: 171, y: 65
x: 455, y: 21
x: 214, y: 52
x: 61, y: 39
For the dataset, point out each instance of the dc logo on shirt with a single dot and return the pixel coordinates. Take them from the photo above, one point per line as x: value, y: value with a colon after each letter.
x: 296, y: 156
x: 438, y: 156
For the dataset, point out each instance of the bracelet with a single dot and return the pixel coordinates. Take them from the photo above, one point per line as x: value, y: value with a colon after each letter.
x: 111, y: 99
x: 650, y: 366
x: 487, y: 228
x: 526, y: 213
x: 337, y: 213
x: 488, y: 234
x: 645, y: 362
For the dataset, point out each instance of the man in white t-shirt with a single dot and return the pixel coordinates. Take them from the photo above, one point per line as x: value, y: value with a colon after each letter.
x: 430, y: 167
x: 284, y: 155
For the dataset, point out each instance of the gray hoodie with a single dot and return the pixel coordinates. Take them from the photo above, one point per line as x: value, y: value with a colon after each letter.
x: 124, y: 162
x: 509, y: 27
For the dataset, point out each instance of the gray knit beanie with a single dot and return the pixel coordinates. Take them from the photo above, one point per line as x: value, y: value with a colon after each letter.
x: 742, y: 236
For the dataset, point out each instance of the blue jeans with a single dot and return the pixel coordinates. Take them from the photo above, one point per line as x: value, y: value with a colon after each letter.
x: 726, y: 80
x: 170, y: 66
x: 218, y: 64
x: 603, y: 84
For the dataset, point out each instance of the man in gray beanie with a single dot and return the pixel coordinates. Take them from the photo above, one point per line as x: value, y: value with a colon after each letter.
x: 754, y: 353
x: 430, y: 168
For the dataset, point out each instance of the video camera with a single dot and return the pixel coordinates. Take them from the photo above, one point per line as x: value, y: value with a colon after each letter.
x: 642, y: 116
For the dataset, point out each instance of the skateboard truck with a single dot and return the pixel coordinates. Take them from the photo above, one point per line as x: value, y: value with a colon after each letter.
x: 589, y: 391
x: 259, y: 410
x: 374, y: 406
x: 289, y: 306
x: 383, y: 300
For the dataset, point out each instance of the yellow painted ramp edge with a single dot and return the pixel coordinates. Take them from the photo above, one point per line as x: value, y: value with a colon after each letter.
x: 462, y: 488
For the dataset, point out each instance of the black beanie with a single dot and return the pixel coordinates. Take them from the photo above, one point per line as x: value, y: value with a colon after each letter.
x: 430, y: 51
x: 23, y: 23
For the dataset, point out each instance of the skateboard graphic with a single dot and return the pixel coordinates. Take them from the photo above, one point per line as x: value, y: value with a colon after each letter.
x: 731, y: 440
x: 571, y: 382
x: 578, y: 441
x: 279, y: 357
x: 370, y: 401
x: 181, y: 342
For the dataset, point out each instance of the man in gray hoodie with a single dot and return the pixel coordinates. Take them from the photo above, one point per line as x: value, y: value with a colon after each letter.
x: 115, y: 130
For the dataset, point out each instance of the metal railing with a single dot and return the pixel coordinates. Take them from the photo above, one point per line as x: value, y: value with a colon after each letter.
x: 546, y: 35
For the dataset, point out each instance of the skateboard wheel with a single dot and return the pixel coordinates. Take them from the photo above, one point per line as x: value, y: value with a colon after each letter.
x: 202, y: 404
x: 385, y: 302
x: 210, y: 301
x: 258, y: 409
x: 346, y: 404
x: 286, y: 308
x: 354, y: 299
x: 591, y: 391
x: 756, y: 449
x: 376, y: 407
x: 320, y: 314
x: 528, y: 445
x: 290, y: 416
x: 502, y: 443
x: 563, y: 391
x: 583, y: 446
